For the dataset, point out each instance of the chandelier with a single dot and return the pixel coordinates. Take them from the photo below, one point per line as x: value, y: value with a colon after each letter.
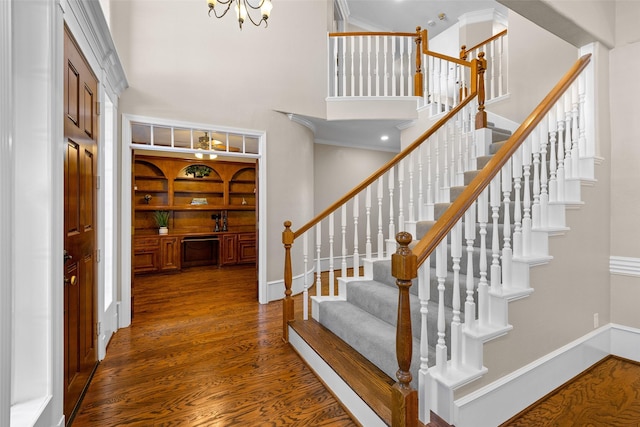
x: 243, y: 9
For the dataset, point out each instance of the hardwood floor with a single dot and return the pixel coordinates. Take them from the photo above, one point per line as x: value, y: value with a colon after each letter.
x: 607, y: 394
x: 202, y: 352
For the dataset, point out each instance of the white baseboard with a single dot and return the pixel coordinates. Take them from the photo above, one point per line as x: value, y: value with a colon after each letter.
x: 487, y: 406
x: 275, y: 289
x: 358, y: 409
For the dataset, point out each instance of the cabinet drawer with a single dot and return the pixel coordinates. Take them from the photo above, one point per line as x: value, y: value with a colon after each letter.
x: 146, y: 242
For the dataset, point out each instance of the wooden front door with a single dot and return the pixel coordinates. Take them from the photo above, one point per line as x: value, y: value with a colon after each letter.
x: 80, y: 168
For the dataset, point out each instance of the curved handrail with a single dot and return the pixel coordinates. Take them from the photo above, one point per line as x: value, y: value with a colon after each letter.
x: 443, y: 226
x: 385, y: 168
x: 490, y: 39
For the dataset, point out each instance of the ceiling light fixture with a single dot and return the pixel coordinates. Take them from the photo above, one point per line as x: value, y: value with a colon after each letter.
x: 243, y: 9
x: 384, y: 138
x: 206, y: 143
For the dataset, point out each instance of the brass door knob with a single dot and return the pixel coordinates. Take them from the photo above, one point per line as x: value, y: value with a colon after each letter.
x: 71, y: 281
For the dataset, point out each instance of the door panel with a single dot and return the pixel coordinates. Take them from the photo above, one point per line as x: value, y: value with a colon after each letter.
x: 80, y: 288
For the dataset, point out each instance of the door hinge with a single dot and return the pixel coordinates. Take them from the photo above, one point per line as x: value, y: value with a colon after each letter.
x: 97, y: 182
x: 98, y: 108
x: 98, y: 326
x: 97, y: 255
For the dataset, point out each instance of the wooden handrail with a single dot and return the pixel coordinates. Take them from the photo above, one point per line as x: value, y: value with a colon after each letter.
x: 490, y: 39
x: 443, y: 226
x: 426, y: 51
x: 372, y: 33
x: 373, y: 177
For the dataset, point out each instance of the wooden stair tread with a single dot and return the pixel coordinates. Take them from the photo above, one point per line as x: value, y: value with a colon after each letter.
x: 367, y: 380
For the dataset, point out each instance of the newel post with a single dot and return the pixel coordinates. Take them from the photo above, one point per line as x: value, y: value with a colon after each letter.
x: 287, y: 302
x: 481, y: 116
x: 463, y: 52
x: 417, y: 78
x: 404, y: 399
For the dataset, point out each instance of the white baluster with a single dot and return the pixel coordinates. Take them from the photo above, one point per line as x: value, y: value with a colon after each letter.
x: 352, y: 58
x: 368, y: 214
x: 305, y: 293
x: 412, y: 214
x: 544, y: 174
x: 356, y: 254
x: 401, y: 76
x: 377, y: 65
x: 380, y: 224
x: 494, y: 200
x: 526, y: 199
x: 392, y: 227
x: 582, y: 138
x: 492, y: 69
x: 331, y: 266
x: 401, y: 226
x: 424, y: 277
x: 393, y: 67
x: 535, y: 148
x: 553, y: 181
x: 470, y: 235
x: 445, y: 161
x: 343, y: 225
x: 318, y: 259
x: 369, y: 68
x: 507, y: 251
x: 560, y: 172
x: 441, y: 274
x: 456, y: 330
x: 335, y: 65
x: 575, y: 131
x: 421, y: 207
x: 361, y: 77
x: 517, y: 213
x: 501, y: 61
x: 386, y: 71
x: 430, y: 197
x: 343, y: 64
x: 483, y: 286
x: 568, y: 171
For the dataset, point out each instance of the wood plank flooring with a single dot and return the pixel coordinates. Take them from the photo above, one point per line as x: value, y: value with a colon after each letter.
x: 607, y: 394
x: 202, y: 352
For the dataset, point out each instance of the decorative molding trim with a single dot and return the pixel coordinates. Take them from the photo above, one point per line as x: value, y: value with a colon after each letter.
x: 361, y: 147
x: 96, y: 42
x: 275, y: 289
x: 343, y: 9
x: 6, y: 208
x: 302, y: 121
x: 624, y: 266
x: 486, y: 15
x: 486, y: 407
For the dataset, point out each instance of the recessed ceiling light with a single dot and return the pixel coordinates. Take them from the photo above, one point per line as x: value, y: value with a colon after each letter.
x: 384, y: 138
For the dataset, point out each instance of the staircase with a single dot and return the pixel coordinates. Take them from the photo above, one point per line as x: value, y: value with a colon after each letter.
x: 366, y: 318
x: 482, y: 209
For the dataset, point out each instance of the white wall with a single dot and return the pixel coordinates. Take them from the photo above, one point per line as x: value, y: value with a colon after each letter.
x: 183, y: 65
x: 625, y: 174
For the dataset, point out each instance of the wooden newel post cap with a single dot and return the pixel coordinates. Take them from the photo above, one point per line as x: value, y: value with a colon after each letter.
x: 287, y: 234
x: 404, y: 263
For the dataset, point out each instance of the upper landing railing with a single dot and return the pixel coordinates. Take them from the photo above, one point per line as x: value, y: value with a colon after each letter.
x: 386, y: 64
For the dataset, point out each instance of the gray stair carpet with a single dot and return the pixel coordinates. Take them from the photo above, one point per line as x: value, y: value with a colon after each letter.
x: 367, y: 319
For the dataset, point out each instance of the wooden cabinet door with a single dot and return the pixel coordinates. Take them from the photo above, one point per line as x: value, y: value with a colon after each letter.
x: 80, y: 168
x: 146, y: 254
x: 169, y: 253
x: 229, y: 249
x: 246, y: 248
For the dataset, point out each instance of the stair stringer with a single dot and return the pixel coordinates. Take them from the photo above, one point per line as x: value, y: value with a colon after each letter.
x: 437, y: 385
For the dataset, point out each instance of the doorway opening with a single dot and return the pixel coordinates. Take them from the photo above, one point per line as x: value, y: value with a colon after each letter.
x: 213, y: 216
